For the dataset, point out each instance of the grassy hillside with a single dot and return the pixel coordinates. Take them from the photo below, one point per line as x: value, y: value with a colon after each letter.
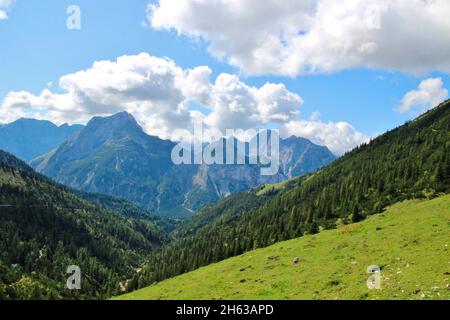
x: 409, y: 241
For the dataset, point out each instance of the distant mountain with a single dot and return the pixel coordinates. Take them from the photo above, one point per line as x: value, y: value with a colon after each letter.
x: 29, y: 138
x: 111, y: 156
x: 45, y: 227
x: 299, y: 156
x: 115, y: 156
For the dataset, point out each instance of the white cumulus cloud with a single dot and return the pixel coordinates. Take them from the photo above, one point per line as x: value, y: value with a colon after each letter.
x: 160, y: 94
x: 237, y: 105
x: 295, y: 37
x: 339, y: 137
x: 429, y: 94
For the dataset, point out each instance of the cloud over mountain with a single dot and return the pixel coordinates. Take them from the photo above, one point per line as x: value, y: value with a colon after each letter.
x: 159, y: 92
x: 340, y: 137
x: 160, y: 95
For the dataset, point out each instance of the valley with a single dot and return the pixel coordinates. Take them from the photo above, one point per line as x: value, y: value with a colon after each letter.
x: 188, y: 152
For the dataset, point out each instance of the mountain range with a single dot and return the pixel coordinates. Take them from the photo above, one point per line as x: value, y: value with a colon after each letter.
x: 114, y: 156
x: 30, y: 138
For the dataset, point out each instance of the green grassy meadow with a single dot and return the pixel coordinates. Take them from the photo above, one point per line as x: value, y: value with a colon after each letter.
x: 409, y: 241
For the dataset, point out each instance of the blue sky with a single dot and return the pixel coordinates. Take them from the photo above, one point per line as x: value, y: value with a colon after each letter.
x: 36, y: 48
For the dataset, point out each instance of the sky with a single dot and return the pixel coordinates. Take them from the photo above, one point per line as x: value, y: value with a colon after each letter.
x: 336, y: 72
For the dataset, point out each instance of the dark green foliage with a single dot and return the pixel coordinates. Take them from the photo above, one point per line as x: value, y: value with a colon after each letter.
x: 409, y: 162
x: 357, y: 217
x: 7, y: 159
x: 313, y: 228
x: 44, y: 228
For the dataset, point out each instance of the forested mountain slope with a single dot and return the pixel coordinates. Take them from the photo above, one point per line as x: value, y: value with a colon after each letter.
x: 44, y: 228
x: 412, y: 161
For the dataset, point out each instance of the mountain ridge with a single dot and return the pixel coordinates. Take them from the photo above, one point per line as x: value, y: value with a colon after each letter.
x: 30, y: 138
x: 114, y: 156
